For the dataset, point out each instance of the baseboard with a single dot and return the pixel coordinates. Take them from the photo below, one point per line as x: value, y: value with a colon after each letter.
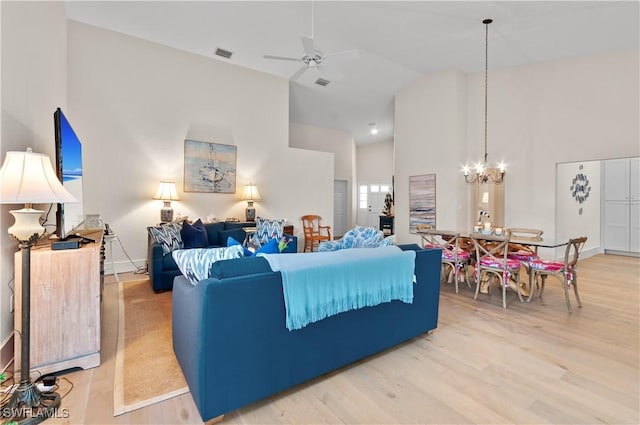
x: 6, y: 352
x: 625, y: 253
x: 124, y: 266
x: 590, y: 253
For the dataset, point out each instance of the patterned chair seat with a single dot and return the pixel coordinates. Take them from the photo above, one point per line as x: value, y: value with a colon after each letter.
x: 510, y: 263
x: 552, y: 266
x: 523, y: 256
x: 463, y: 256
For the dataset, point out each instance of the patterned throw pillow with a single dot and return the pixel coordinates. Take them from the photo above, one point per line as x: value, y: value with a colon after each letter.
x: 195, y: 263
x: 267, y: 230
x: 167, y: 235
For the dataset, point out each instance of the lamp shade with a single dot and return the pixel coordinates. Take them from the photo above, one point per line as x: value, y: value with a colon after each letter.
x: 251, y: 193
x: 27, y: 177
x: 166, y: 192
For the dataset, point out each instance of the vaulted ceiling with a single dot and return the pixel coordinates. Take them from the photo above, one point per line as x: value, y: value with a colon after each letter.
x: 398, y: 42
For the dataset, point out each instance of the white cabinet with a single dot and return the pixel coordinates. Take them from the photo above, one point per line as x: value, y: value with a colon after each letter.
x: 621, y: 182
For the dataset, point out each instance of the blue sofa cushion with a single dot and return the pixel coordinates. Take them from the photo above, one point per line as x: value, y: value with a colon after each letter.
x: 212, y: 233
x: 194, y: 235
x: 237, y: 234
x: 168, y: 236
x: 195, y: 263
x: 239, y: 267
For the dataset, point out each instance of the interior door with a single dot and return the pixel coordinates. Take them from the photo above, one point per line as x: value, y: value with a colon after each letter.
x: 340, y: 197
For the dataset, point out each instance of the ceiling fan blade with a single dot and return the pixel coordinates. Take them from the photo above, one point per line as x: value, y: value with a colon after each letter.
x: 283, y: 58
x: 298, y: 73
x: 308, y: 45
x: 346, y: 55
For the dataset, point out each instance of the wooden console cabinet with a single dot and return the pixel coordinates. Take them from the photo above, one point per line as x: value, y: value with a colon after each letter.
x: 65, y: 306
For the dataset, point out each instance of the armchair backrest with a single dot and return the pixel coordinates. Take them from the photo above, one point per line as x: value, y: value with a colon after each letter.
x: 311, y: 225
x: 573, y: 250
x: 491, y: 247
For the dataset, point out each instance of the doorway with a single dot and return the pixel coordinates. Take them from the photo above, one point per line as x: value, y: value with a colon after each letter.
x: 340, y: 202
x: 371, y: 203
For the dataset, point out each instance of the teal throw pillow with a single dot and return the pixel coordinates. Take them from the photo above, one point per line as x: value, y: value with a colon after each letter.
x: 270, y: 247
x: 232, y: 242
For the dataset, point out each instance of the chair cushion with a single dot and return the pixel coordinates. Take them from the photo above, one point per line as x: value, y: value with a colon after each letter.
x: 522, y: 256
x: 500, y: 264
x: 552, y: 266
x: 462, y: 255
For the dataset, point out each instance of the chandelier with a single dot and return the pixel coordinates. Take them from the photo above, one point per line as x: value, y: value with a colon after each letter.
x: 483, y: 173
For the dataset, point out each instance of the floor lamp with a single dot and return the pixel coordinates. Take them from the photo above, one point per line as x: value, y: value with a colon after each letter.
x: 28, y: 178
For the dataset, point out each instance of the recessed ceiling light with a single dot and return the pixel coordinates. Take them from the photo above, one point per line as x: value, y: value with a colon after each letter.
x: 373, y: 128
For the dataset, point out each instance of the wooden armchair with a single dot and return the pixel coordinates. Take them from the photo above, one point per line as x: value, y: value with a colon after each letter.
x: 314, y: 233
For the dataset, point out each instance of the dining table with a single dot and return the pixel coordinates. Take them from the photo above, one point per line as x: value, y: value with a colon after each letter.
x: 466, y: 244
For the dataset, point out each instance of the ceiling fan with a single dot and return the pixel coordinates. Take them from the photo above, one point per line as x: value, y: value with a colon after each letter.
x: 313, y: 57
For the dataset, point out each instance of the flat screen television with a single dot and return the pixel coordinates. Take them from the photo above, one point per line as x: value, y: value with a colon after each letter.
x: 69, y: 170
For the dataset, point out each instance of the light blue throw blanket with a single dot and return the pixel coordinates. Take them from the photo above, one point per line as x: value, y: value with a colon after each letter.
x: 322, y: 284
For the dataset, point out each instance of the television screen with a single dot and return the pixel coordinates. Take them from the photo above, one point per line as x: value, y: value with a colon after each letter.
x: 69, y: 170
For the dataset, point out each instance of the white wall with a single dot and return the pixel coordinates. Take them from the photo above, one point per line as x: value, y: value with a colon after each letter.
x: 430, y: 137
x: 570, y: 223
x: 375, y: 162
x: 539, y: 115
x: 133, y: 103
x: 34, y: 51
x: 341, y: 144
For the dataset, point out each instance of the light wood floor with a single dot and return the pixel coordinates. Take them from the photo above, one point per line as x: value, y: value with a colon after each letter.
x: 530, y: 364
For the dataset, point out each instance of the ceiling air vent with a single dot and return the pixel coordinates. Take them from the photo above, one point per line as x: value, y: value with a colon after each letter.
x: 322, y: 82
x: 224, y: 53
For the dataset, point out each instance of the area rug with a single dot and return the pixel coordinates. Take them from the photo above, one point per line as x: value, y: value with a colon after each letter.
x: 146, y: 370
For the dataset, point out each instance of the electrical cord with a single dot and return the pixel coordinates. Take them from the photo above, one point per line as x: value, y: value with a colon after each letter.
x: 138, y: 269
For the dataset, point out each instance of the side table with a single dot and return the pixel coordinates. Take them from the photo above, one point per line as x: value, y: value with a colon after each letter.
x: 110, y: 238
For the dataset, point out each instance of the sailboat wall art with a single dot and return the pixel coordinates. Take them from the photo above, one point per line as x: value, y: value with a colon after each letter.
x: 209, y: 167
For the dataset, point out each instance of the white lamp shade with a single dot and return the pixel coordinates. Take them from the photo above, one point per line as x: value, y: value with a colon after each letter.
x: 166, y: 192
x: 28, y: 178
x: 251, y: 193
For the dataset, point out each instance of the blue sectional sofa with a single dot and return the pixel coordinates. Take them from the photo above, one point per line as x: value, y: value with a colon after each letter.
x: 162, y: 267
x: 230, y: 339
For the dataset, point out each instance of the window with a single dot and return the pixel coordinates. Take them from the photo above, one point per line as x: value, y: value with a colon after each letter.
x: 363, y: 196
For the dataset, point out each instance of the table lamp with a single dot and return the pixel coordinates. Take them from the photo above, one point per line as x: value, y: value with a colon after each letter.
x: 250, y: 194
x: 28, y: 178
x: 166, y: 192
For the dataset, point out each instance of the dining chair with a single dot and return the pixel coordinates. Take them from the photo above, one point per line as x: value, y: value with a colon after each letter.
x: 492, y: 260
x: 566, y: 271
x: 519, y: 249
x: 455, y: 261
x: 314, y: 232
